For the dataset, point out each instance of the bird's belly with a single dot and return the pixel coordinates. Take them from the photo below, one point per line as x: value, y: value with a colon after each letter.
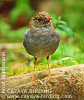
x: 42, y: 46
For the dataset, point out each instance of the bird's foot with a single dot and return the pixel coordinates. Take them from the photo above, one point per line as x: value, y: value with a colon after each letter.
x: 49, y: 75
x: 33, y: 78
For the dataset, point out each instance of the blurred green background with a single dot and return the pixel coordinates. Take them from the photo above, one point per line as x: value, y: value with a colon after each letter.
x: 68, y: 19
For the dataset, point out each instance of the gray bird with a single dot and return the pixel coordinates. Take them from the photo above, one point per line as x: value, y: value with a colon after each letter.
x: 41, y: 39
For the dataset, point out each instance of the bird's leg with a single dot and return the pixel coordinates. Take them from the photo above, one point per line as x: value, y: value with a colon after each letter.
x: 49, y: 75
x: 33, y: 77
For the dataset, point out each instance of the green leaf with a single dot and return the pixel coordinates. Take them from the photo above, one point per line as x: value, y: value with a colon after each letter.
x: 68, y: 59
x: 4, y: 28
x: 63, y: 22
x: 15, y: 13
x: 66, y: 29
x: 59, y: 18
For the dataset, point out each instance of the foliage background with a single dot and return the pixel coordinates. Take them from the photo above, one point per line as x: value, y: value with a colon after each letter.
x: 68, y: 19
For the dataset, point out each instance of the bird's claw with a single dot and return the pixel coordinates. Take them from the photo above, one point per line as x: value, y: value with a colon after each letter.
x: 49, y: 75
x: 33, y: 78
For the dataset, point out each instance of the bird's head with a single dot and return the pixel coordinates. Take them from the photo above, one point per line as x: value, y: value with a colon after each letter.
x: 41, y: 19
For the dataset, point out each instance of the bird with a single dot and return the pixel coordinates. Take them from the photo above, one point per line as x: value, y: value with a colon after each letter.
x: 41, y: 39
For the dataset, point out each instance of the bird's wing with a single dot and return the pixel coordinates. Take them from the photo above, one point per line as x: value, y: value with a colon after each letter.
x: 58, y: 36
x: 25, y: 37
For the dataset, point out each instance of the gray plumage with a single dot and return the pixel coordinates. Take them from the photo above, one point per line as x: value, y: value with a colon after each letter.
x: 42, y: 42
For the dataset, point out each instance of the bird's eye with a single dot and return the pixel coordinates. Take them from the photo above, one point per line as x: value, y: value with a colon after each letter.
x: 39, y: 19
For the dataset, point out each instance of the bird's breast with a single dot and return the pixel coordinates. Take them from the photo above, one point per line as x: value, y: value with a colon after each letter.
x: 42, y: 42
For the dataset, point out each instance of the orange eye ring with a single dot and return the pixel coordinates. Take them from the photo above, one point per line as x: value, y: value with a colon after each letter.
x: 39, y: 19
